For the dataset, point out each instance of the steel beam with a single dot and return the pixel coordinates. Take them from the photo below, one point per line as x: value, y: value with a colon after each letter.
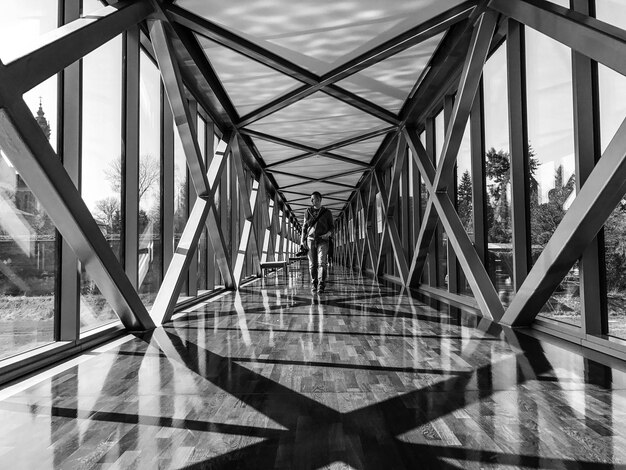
x: 477, y: 277
x: 163, y: 307
x: 604, y: 188
x: 30, y: 153
x: 183, y: 118
x: 249, y: 202
x: 518, y: 137
x: 593, y: 38
x: 587, y: 148
x: 62, y: 47
x: 468, y: 85
x: 389, y: 210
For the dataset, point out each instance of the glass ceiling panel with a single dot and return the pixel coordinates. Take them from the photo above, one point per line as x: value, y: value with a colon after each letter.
x: 362, y: 151
x: 248, y: 83
x: 314, y: 35
x: 318, y: 120
x: 308, y: 188
x: 273, y: 153
x: 389, y: 82
x: 317, y: 167
x: 351, y: 180
x: 284, y: 180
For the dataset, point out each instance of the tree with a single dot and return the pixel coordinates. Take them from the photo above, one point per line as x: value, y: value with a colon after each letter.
x: 108, y: 213
x: 149, y: 174
x: 546, y: 217
x: 464, y: 201
x: 498, y: 172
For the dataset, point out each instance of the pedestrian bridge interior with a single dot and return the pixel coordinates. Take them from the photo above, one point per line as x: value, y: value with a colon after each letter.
x: 156, y: 162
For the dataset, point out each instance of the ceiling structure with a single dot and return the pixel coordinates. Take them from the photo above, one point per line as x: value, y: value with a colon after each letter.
x: 317, y: 92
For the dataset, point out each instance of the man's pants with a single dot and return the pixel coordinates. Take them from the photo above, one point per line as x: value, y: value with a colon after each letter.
x: 318, y: 261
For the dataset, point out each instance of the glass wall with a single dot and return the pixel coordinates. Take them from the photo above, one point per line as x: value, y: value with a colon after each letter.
x: 202, y: 244
x: 464, y: 197
x: 181, y: 196
x: 150, y: 264
x: 28, y: 250
x: 551, y: 158
x: 497, y: 172
x: 101, y: 168
x: 27, y: 266
x: 441, y: 241
x: 612, y: 90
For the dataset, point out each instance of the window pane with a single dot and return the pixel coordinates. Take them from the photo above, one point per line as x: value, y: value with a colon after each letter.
x: 497, y: 170
x: 612, y: 112
x: 23, y: 23
x: 552, y: 162
x: 464, y: 197
x: 180, y: 195
x: 612, y: 11
x: 27, y: 265
x: 101, y: 178
x: 150, y: 267
x: 441, y: 236
x: 202, y: 244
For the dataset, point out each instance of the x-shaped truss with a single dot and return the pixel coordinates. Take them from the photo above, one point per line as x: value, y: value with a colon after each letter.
x: 29, y: 151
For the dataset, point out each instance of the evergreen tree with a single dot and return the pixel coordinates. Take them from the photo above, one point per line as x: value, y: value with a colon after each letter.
x: 464, y: 201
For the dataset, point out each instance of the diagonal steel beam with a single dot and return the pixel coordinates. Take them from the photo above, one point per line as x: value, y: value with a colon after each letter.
x: 601, y: 192
x: 477, y: 277
x: 249, y: 200
x: 389, y: 226
x: 260, y: 54
x: 597, y: 40
x: 325, y: 83
x: 62, y: 47
x: 206, y: 69
x: 429, y: 218
x: 29, y: 151
x: 165, y: 302
x: 309, y: 151
x: 468, y: 86
x: 438, y: 180
x: 172, y: 81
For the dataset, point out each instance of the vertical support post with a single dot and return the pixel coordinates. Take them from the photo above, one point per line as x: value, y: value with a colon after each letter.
x: 518, y: 132
x: 68, y: 315
x: 167, y: 157
x: 432, y: 250
x: 210, y: 253
x: 453, y: 271
x: 479, y: 189
x: 587, y: 151
x: 192, y: 196
x: 130, y: 154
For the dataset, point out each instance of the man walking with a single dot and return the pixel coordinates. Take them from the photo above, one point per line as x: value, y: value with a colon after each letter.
x: 316, y: 231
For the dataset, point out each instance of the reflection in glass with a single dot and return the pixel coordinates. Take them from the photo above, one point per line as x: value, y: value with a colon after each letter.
x: 612, y: 87
x: 150, y: 264
x: 101, y: 169
x: 27, y: 265
x: 552, y: 162
x: 441, y: 236
x: 464, y: 197
x: 181, y: 195
x: 497, y: 172
x: 202, y: 244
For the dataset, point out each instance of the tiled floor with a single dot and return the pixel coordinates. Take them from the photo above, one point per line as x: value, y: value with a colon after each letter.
x: 361, y: 377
